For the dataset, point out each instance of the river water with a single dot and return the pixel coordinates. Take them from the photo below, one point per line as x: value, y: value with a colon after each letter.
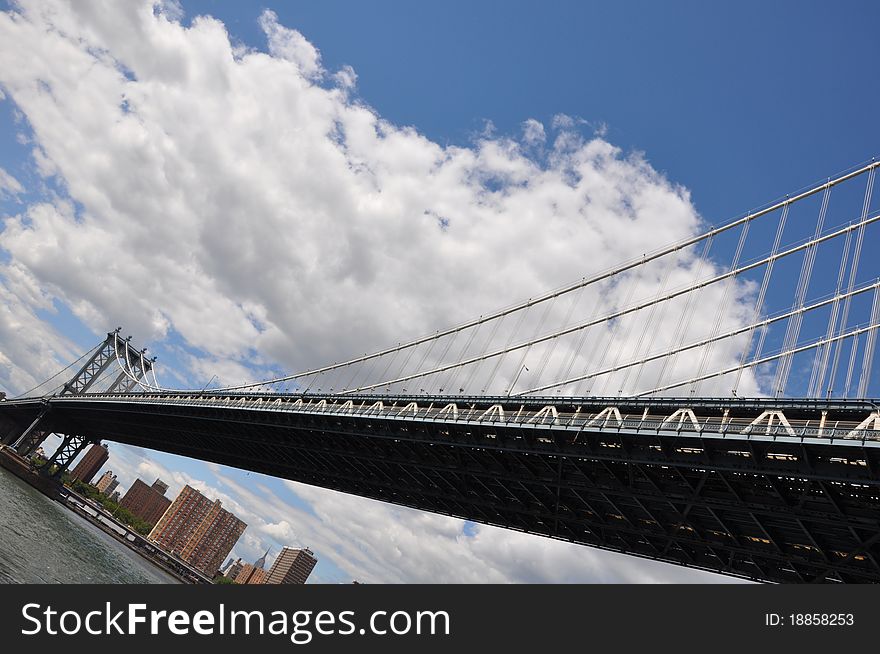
x: 43, y: 542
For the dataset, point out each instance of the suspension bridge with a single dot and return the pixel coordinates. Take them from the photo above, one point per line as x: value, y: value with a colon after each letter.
x: 706, y: 404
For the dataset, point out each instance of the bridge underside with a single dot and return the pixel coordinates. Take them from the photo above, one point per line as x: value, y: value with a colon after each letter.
x: 757, y: 508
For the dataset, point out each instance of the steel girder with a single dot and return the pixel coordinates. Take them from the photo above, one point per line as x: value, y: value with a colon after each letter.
x: 776, y: 511
x: 70, y: 447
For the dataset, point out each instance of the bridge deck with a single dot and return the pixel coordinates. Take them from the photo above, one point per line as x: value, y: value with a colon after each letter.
x: 713, y: 484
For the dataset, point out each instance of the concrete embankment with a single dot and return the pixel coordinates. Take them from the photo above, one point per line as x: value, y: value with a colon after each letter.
x: 14, y: 463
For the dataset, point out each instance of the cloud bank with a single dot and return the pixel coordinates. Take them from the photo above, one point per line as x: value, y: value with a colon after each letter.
x: 250, y: 204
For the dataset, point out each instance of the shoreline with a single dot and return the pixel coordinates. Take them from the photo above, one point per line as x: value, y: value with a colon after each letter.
x: 139, y: 545
x: 99, y: 518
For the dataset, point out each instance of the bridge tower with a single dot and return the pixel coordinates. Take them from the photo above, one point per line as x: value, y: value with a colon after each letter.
x: 95, y: 368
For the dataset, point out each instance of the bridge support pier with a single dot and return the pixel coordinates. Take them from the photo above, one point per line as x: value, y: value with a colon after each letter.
x: 10, y: 437
x: 69, y: 449
x: 31, y: 437
x: 29, y: 443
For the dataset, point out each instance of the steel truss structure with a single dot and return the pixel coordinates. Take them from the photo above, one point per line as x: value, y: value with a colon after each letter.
x: 70, y: 448
x: 776, y: 490
x: 100, y: 362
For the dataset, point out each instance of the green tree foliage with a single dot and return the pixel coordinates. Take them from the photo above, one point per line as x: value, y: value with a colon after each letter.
x: 119, y: 512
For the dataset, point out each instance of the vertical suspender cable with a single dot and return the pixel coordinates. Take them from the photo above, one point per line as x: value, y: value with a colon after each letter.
x: 857, y: 251
x: 759, y: 302
x: 552, y: 348
x: 355, y: 369
x: 719, y: 317
x: 406, y: 361
x: 649, y: 325
x: 783, y: 369
x: 573, y: 355
x: 852, y: 362
x: 632, y: 282
x: 452, y: 337
x: 475, y: 368
x: 824, y: 352
x: 497, y: 365
x: 510, y: 339
x: 522, y: 359
x: 870, y: 343
x: 684, y: 318
x: 631, y: 320
x: 368, y: 372
x: 388, y: 365
x: 424, y: 358
x: 455, y: 372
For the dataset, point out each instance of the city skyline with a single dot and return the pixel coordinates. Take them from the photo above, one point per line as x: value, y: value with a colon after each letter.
x: 140, y: 500
x: 688, y: 150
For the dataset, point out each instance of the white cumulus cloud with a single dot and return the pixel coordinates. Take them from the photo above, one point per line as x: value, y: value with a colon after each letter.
x: 9, y: 186
x: 248, y: 201
x: 533, y: 132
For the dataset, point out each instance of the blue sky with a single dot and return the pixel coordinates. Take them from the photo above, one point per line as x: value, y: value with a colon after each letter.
x: 737, y: 103
x: 740, y: 102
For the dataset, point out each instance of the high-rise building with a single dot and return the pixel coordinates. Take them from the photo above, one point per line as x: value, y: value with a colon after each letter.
x: 107, y: 483
x: 115, y: 497
x: 258, y: 576
x: 252, y: 573
x: 198, y: 530
x: 213, y: 540
x: 261, y: 562
x: 87, y: 468
x: 232, y: 569
x: 146, y: 502
x: 292, y: 566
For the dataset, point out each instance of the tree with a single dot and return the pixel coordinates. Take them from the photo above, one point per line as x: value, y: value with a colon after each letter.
x: 119, y: 512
